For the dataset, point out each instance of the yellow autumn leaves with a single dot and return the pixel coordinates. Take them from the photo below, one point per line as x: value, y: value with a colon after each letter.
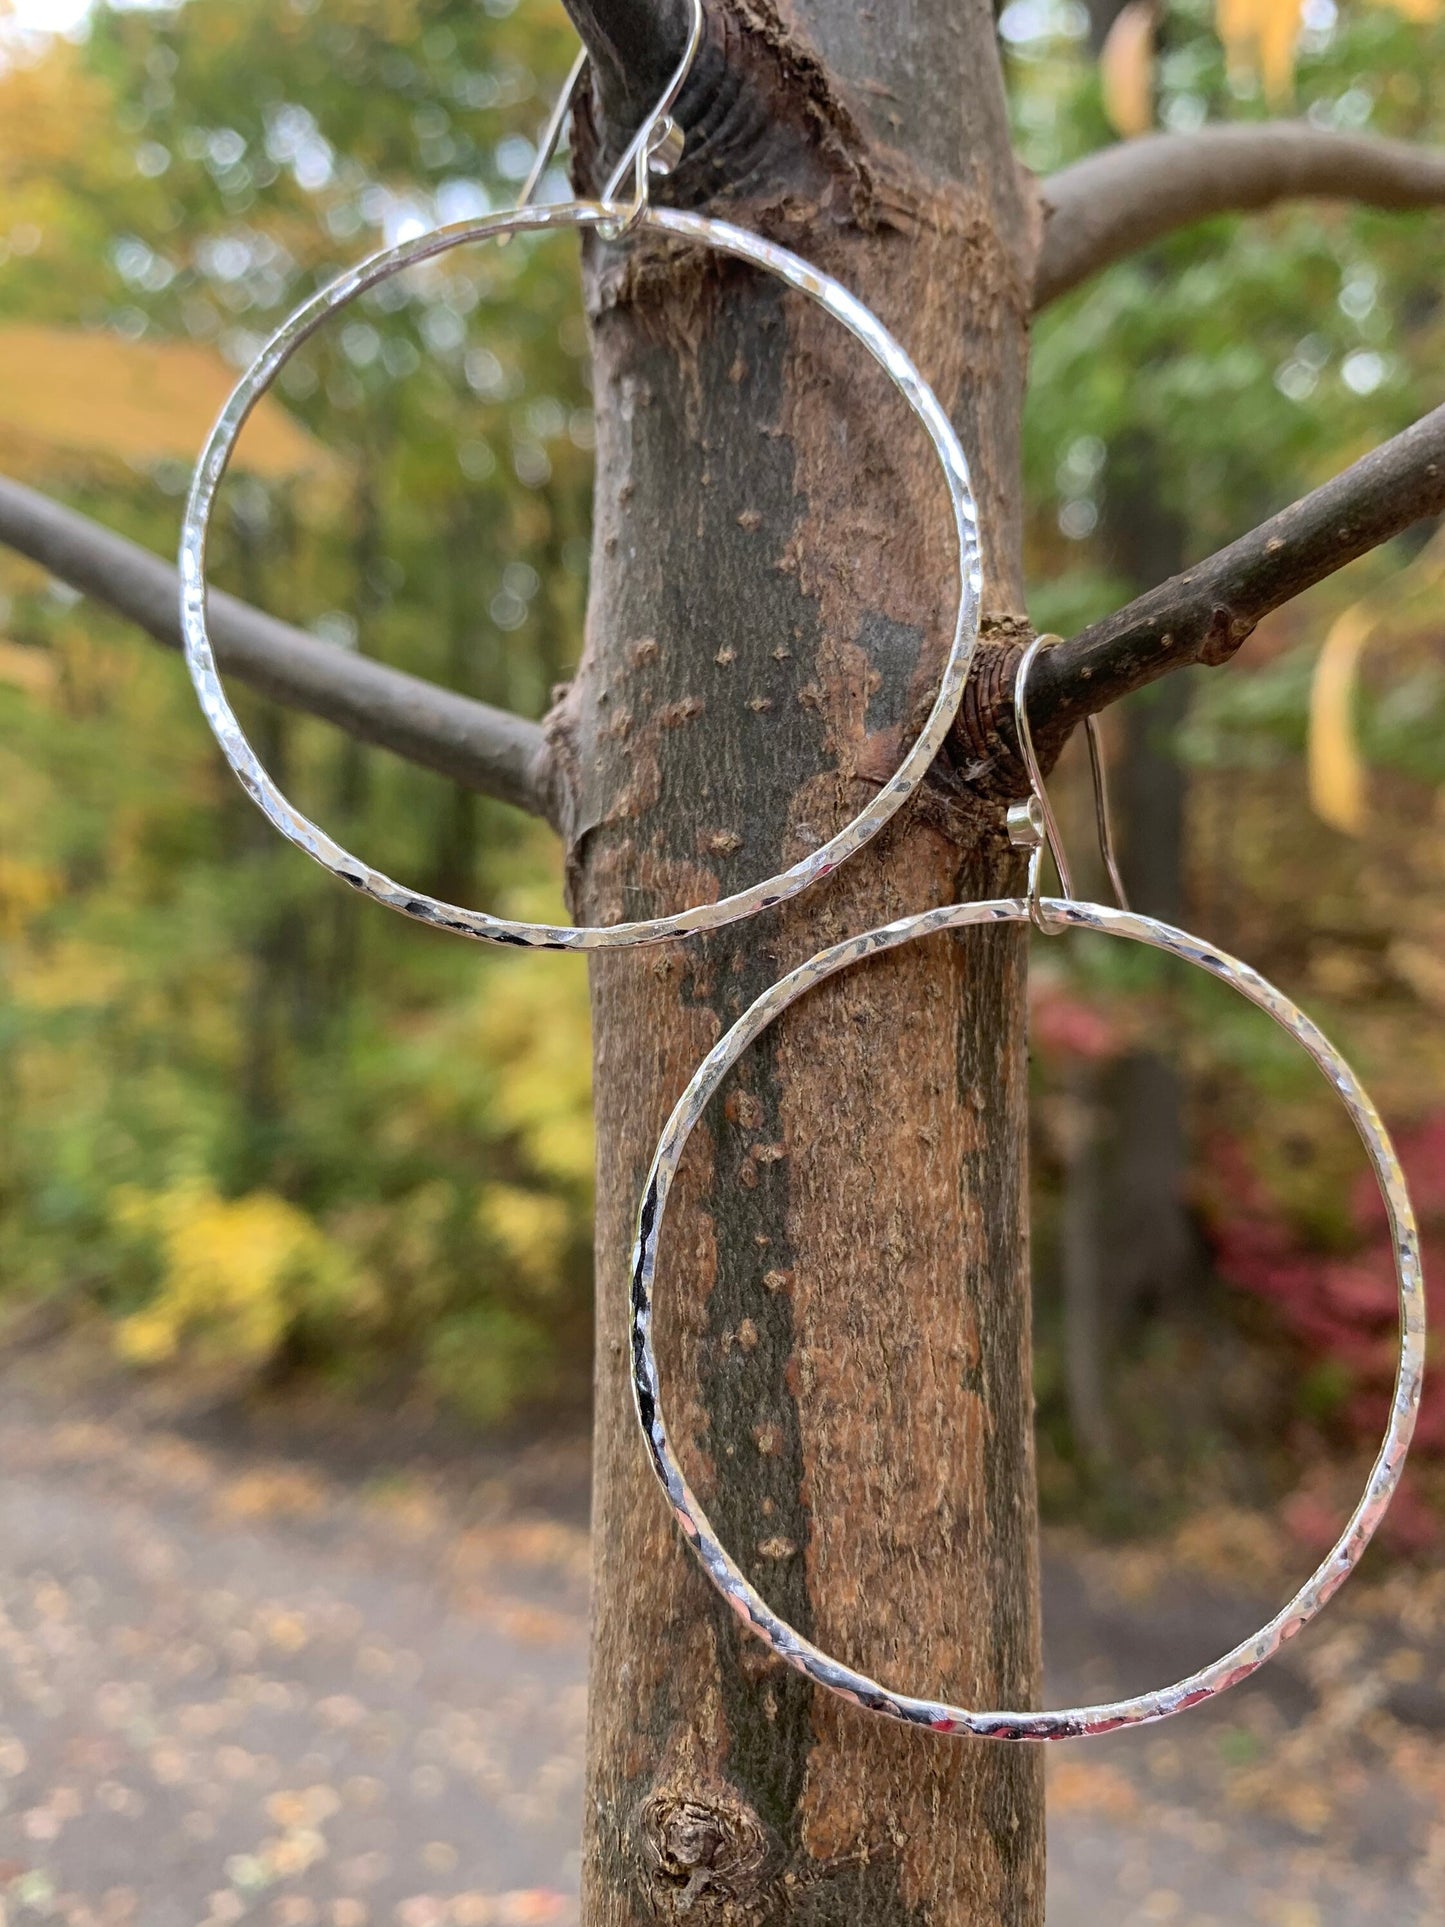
x: 1337, y: 775
x: 534, y: 1032
x: 1126, y: 68
x: 229, y: 1279
x: 233, y: 1273
x: 69, y: 394
x: 26, y: 889
x: 1336, y: 768
x: 1260, y: 37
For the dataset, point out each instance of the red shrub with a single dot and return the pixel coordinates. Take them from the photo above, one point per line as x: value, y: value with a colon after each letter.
x: 1340, y: 1308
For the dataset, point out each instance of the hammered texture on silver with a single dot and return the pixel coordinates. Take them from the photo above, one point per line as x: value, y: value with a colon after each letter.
x: 1250, y: 1654
x: 697, y: 230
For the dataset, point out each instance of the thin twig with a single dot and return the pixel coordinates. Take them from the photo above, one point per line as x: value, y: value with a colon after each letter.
x: 1203, y: 615
x: 484, y: 749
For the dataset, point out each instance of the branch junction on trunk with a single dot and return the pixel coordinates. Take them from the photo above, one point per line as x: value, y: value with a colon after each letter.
x: 1201, y: 616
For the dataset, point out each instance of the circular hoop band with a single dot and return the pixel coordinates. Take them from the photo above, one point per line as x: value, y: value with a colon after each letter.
x: 585, y: 215
x: 1245, y: 1658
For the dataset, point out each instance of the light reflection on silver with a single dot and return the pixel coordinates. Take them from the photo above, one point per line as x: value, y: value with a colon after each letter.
x: 1250, y: 1654
x: 693, y: 229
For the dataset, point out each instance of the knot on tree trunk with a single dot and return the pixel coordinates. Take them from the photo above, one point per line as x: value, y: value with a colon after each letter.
x: 705, y: 1852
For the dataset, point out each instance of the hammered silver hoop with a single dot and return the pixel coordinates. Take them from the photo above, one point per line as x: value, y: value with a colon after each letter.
x: 699, y: 230
x: 742, y: 1596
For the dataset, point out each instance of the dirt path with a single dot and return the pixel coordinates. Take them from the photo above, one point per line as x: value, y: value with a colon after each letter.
x: 236, y: 1688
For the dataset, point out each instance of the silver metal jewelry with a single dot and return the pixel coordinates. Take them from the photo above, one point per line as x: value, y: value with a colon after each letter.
x: 1053, y: 914
x: 1032, y: 824
x: 655, y: 143
x: 655, y: 148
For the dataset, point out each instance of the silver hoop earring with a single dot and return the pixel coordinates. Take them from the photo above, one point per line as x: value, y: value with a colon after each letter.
x: 655, y: 144
x: 1052, y: 914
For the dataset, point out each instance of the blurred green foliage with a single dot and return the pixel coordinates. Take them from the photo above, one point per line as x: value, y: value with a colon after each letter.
x: 1216, y: 376
x: 261, y: 1122
x: 1257, y: 355
x: 1199, y: 387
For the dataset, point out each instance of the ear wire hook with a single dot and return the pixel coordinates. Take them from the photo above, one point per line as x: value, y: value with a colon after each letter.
x: 1102, y: 817
x: 656, y: 147
x: 1032, y: 825
x: 551, y: 135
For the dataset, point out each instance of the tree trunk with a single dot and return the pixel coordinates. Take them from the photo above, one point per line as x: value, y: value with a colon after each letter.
x: 843, y: 1288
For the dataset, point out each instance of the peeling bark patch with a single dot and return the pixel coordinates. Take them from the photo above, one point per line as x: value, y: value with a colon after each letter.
x: 778, y: 1548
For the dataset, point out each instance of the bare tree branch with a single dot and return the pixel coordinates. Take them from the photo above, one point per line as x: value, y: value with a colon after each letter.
x: 1119, y: 200
x: 1205, y: 614
x: 484, y: 749
x: 1201, y: 616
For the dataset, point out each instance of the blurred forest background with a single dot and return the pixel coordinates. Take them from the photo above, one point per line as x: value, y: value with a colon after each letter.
x: 256, y: 1132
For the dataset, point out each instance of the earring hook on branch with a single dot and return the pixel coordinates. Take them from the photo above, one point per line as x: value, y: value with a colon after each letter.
x: 656, y: 147
x: 1032, y: 825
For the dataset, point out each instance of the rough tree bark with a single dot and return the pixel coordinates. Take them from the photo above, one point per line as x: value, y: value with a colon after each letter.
x: 846, y: 1274
x: 845, y: 1288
